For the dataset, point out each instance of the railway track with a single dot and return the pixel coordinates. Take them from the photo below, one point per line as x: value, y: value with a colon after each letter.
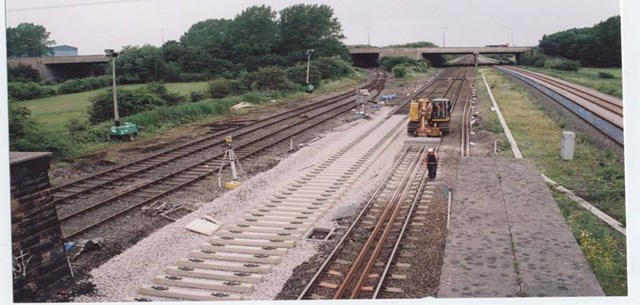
x: 603, y: 112
x: 176, y: 172
x: 465, y: 125
x: 360, y: 263
x: 243, y: 251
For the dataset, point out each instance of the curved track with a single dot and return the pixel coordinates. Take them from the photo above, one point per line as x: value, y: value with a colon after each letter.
x: 80, y: 216
x: 602, y: 111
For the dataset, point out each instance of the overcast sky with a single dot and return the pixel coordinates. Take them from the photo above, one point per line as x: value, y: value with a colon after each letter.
x: 96, y: 25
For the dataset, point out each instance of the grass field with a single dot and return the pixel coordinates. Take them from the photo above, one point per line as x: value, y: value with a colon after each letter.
x: 54, y: 112
x: 594, y: 174
x: 588, y: 77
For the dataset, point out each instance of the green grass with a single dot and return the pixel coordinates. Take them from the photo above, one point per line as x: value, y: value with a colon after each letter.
x: 54, y: 112
x: 588, y: 77
x: 603, y: 247
x: 594, y: 174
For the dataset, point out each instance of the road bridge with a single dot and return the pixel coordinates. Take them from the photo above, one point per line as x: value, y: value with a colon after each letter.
x: 370, y: 56
x: 60, y: 68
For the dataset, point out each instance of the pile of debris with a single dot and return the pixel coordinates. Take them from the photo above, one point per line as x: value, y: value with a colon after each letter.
x: 170, y: 211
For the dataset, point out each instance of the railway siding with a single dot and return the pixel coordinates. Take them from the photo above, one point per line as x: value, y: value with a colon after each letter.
x: 591, y: 108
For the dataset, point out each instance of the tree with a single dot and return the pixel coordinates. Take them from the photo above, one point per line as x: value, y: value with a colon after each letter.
x: 139, y: 64
x: 417, y: 44
x: 28, y: 40
x: 598, y: 46
x: 254, y: 32
x: 305, y: 26
x: 210, y: 36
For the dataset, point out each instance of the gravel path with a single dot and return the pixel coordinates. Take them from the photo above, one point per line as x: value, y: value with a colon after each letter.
x: 121, y: 276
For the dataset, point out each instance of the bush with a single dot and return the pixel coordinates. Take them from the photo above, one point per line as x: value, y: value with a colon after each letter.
x: 22, y: 73
x: 219, y: 88
x: 269, y: 78
x: 399, y: 71
x: 19, y: 121
x: 129, y: 102
x: 26, y: 134
x: 332, y: 67
x: 562, y: 64
x: 196, y: 96
x: 84, y: 84
x: 169, y: 98
x: 388, y: 63
x: 173, y: 98
x: 605, y: 75
x: 298, y: 75
x: 76, y: 126
x: 28, y: 91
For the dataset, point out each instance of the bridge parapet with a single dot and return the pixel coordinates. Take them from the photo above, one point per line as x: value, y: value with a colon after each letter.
x: 51, y: 60
x: 451, y: 50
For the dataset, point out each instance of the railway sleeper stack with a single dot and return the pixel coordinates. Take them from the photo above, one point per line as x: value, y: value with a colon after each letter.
x: 240, y: 254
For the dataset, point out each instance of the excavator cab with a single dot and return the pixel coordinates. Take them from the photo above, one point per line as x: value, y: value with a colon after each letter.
x: 429, y: 118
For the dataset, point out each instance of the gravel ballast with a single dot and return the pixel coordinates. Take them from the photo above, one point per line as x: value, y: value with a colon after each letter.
x: 121, y: 276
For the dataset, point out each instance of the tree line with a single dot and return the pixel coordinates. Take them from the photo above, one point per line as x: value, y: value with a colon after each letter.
x: 596, y: 46
x: 257, y: 37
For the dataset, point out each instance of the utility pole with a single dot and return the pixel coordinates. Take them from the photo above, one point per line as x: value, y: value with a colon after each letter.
x: 309, y: 87
x: 512, y: 30
x: 309, y: 52
x: 368, y: 36
x: 113, y: 55
x: 162, y: 33
x: 443, y: 29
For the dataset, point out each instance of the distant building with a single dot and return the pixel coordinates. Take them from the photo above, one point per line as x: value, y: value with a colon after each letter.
x: 64, y: 50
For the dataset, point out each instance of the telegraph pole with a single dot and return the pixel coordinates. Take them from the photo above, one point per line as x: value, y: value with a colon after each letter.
x: 443, y: 29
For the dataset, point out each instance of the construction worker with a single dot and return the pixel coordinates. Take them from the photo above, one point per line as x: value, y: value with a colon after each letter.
x: 440, y: 110
x: 432, y: 162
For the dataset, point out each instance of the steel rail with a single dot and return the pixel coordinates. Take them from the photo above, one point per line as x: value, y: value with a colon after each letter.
x: 353, y: 225
x: 344, y: 108
x: 388, y: 225
x: 356, y: 263
x: 582, y: 108
x: 423, y: 183
x: 608, y: 102
x: 191, y: 147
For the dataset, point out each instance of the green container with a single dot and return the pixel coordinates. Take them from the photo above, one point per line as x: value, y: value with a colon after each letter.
x: 309, y: 88
x: 124, y: 129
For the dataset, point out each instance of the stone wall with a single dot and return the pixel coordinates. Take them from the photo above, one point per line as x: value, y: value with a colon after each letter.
x: 39, y: 260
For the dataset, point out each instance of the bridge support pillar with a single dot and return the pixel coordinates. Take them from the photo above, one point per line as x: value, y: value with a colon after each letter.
x: 518, y: 58
x: 475, y: 60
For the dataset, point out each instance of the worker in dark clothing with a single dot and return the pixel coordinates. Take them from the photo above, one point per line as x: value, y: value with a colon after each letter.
x: 432, y: 163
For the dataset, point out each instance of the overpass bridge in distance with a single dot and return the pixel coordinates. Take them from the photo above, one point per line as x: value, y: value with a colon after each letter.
x: 61, y: 68
x: 371, y: 56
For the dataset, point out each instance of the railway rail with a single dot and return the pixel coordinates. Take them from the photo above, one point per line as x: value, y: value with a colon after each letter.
x: 78, y: 218
x: 243, y: 251
x: 357, y: 268
x: 603, y: 112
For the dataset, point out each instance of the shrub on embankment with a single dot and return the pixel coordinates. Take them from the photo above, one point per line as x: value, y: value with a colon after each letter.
x: 402, y: 66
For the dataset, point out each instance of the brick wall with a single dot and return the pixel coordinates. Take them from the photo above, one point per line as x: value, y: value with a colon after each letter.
x: 39, y: 260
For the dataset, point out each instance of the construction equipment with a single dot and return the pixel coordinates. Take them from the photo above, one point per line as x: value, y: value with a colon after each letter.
x: 429, y: 118
x: 362, y: 96
x: 233, y: 159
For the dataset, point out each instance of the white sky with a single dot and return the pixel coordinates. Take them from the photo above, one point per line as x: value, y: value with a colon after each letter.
x: 112, y: 24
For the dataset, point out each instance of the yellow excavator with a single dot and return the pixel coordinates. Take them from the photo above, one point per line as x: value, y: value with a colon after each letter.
x: 429, y: 118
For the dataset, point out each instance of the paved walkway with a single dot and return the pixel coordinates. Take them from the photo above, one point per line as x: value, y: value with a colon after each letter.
x: 508, y: 238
